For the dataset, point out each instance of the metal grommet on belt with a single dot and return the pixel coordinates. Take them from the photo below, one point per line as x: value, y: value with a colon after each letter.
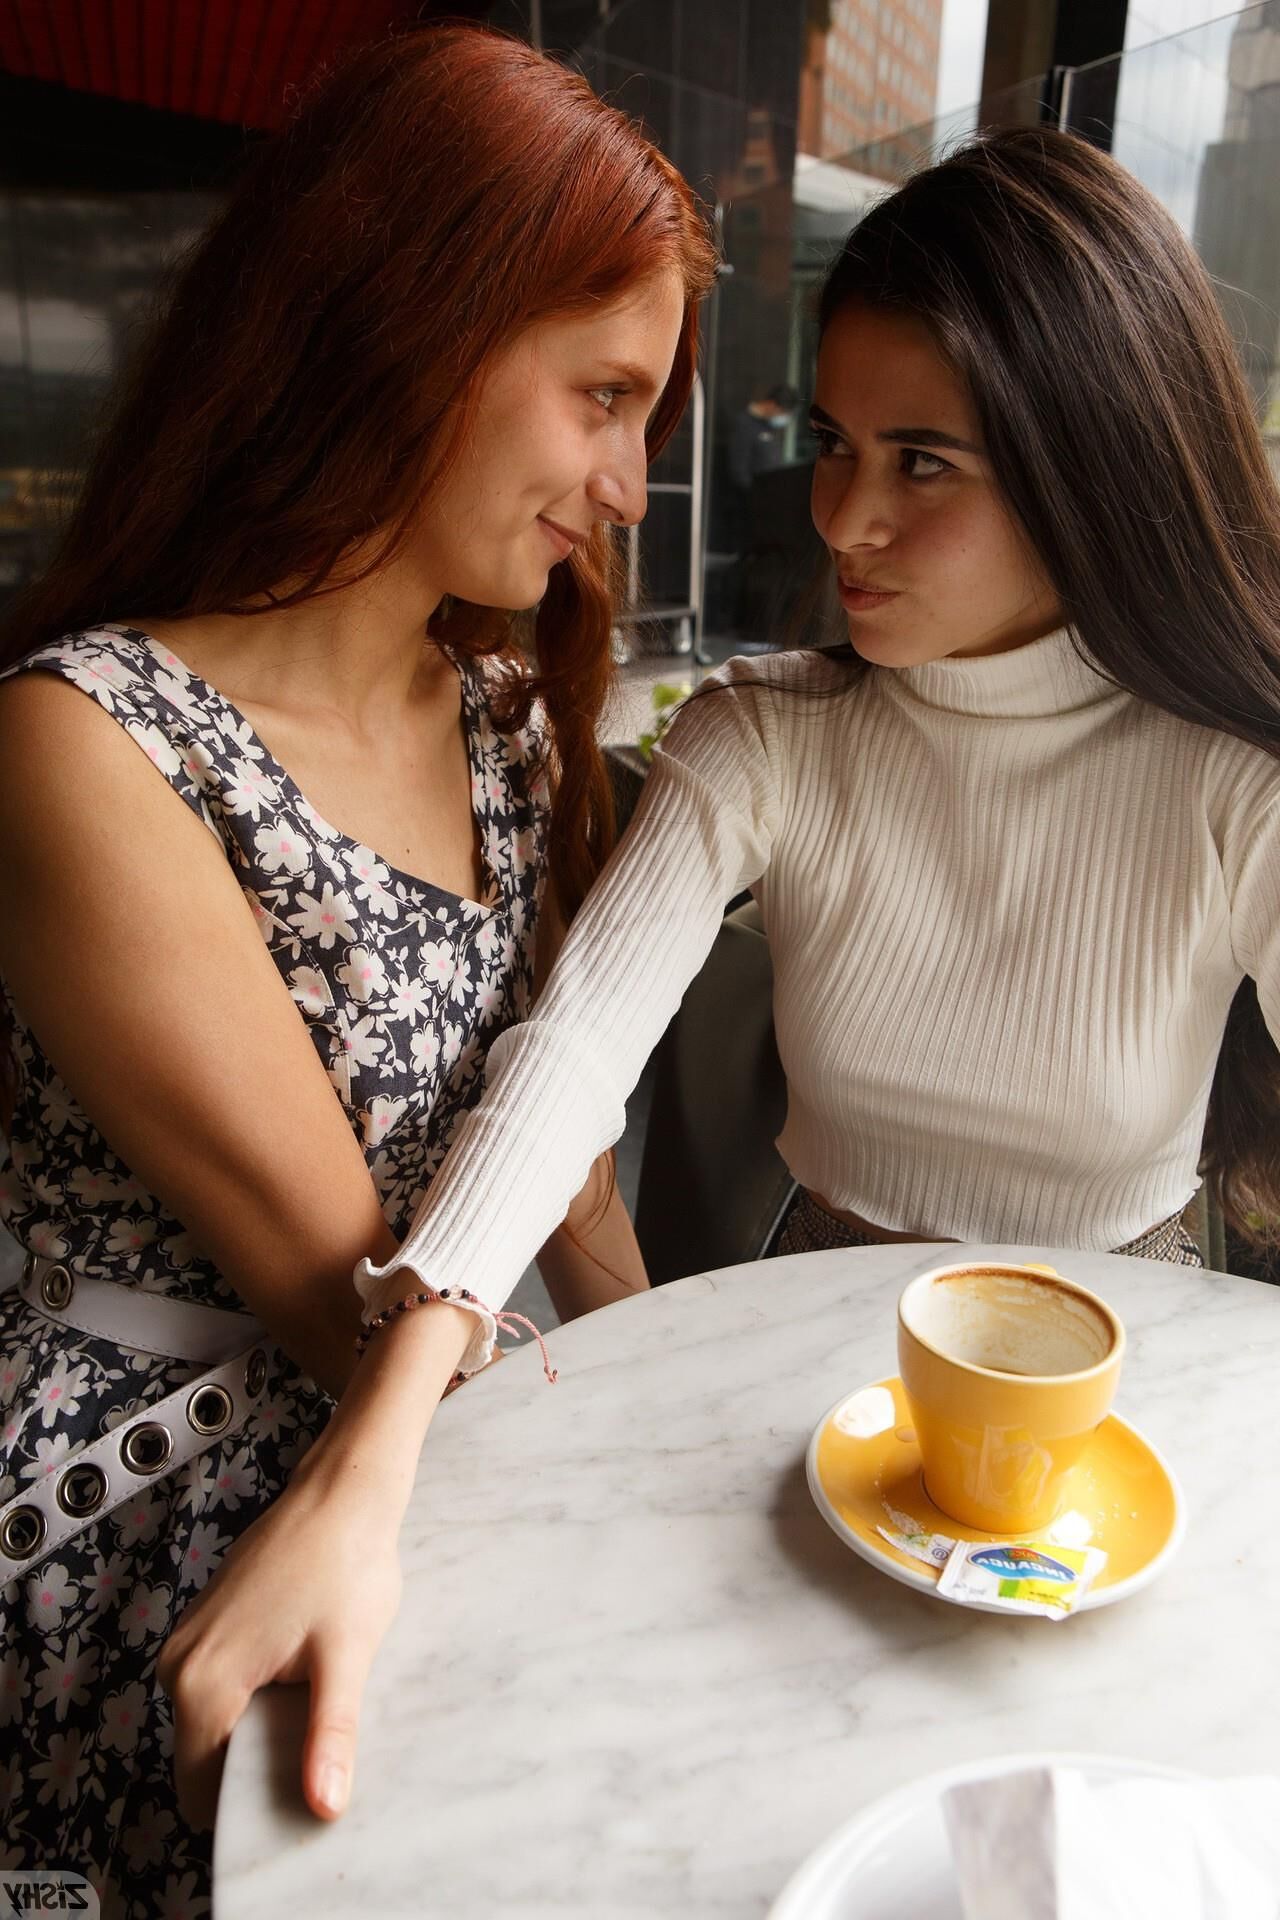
x: 209, y: 1409
x: 21, y: 1532
x: 82, y: 1490
x: 255, y: 1374
x: 57, y: 1288
x: 146, y: 1447
x: 28, y: 1268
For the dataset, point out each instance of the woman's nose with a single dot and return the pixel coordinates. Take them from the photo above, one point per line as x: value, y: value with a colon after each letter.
x: 850, y: 512
x: 621, y: 489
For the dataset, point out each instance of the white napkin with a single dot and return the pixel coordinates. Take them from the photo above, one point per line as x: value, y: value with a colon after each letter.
x: 1051, y: 1844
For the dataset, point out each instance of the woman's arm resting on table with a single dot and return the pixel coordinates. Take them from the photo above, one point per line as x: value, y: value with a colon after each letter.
x: 127, y: 942
x: 309, y: 1591
x: 274, y: 1611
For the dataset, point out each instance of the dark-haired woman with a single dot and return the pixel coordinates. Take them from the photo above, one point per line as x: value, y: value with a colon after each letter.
x: 284, y: 814
x: 1017, y: 849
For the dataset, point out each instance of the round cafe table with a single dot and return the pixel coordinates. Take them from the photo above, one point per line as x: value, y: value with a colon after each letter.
x: 635, y: 1674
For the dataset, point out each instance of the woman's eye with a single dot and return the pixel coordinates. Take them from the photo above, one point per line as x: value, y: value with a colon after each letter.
x: 828, y: 442
x: 931, y: 468
x: 605, y: 396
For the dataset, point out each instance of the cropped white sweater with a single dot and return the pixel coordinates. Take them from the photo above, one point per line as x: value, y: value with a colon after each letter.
x: 1007, y: 905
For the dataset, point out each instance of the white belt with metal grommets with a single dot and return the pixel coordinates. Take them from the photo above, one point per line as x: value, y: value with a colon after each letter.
x: 93, y: 1479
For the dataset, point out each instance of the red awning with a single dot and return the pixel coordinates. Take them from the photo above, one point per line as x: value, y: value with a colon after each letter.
x: 231, y: 60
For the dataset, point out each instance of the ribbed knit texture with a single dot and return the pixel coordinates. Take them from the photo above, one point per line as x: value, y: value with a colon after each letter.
x: 1008, y: 906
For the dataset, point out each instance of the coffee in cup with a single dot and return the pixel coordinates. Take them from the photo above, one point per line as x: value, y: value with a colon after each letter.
x: 1008, y: 1370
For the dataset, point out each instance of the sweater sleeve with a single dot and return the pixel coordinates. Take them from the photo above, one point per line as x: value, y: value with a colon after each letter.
x: 1253, y: 888
x: 556, y: 1086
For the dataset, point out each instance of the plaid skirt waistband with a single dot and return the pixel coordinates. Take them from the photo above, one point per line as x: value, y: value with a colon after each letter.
x: 808, y: 1228
x: 1169, y: 1241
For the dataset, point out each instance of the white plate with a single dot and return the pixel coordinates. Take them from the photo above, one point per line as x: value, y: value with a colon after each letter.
x: 892, y: 1861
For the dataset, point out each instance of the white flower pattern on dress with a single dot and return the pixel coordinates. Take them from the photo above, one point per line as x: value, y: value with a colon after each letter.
x: 403, y: 988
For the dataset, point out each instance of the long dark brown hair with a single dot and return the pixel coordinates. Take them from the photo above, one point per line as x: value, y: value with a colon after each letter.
x: 1121, y: 434
x: 316, y: 362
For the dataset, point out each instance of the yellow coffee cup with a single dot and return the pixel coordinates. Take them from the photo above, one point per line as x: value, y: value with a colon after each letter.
x: 1009, y: 1371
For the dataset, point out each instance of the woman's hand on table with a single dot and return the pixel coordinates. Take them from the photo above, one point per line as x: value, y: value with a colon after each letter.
x: 309, y: 1591
x: 307, y: 1594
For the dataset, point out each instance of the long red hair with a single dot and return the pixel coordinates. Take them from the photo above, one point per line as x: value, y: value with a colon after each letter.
x: 317, y: 360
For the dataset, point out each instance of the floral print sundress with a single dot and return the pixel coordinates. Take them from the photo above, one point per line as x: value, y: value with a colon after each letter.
x: 403, y: 987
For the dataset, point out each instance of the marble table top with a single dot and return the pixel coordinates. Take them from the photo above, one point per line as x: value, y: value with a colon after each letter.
x: 635, y: 1674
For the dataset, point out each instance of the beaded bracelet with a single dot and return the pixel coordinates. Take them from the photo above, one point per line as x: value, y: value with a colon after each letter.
x: 406, y: 1305
x: 507, y: 1322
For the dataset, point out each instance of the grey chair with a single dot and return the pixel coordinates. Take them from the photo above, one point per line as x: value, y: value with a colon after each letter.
x: 1205, y: 1222
x: 713, y: 1187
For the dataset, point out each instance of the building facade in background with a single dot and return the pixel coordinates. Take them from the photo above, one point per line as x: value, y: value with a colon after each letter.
x: 1235, y: 225
x: 869, y: 69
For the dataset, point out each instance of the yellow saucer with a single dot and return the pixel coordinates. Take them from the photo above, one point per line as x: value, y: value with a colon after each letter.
x: 864, y: 1469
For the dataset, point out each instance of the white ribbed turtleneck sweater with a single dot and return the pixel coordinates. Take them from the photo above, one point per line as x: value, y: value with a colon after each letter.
x: 1007, y: 904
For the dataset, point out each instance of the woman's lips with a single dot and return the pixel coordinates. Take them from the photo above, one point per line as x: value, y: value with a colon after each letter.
x: 560, y: 537
x: 859, y: 599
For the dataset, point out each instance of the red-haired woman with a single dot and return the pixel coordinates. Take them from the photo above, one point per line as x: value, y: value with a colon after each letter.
x: 405, y: 385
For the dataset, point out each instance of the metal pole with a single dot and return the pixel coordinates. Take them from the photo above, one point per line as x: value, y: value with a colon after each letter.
x: 699, y: 432
x: 633, y: 567
x: 723, y: 273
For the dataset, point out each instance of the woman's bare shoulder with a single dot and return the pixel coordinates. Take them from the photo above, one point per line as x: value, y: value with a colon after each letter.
x: 73, y: 767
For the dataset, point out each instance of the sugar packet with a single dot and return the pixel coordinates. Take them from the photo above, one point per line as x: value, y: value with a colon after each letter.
x: 1026, y: 1576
